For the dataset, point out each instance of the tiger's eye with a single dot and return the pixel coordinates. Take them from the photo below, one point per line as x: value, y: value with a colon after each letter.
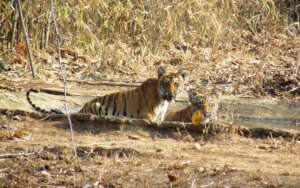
x: 166, y: 80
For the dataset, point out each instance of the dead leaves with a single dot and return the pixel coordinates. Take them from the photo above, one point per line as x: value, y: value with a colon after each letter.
x: 281, y: 85
x: 21, y: 49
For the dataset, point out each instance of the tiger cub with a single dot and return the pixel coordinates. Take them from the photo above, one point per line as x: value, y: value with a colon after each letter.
x: 148, y: 101
x: 197, y: 103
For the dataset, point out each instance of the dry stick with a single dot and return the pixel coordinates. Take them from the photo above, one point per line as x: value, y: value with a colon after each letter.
x: 16, y: 154
x: 95, y: 37
x: 15, y: 20
x: 26, y: 37
x: 63, y: 76
x: 47, y: 31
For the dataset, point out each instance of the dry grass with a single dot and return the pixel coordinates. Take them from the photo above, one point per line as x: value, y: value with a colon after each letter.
x: 242, y: 43
x: 152, y: 25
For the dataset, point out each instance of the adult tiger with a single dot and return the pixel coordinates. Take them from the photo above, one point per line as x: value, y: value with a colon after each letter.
x: 148, y: 101
x: 198, y: 103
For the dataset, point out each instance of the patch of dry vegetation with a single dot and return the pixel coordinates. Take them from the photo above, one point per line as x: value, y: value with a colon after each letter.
x: 12, y: 130
x: 157, y: 25
x: 242, y: 43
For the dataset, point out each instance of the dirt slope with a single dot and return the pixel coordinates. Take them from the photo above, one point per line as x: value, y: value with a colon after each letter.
x: 37, y: 153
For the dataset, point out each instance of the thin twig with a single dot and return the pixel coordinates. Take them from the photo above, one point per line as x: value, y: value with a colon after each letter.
x: 47, y: 34
x: 294, y: 89
x: 95, y: 37
x: 63, y: 76
x: 40, y: 16
x: 26, y: 38
x: 15, y: 20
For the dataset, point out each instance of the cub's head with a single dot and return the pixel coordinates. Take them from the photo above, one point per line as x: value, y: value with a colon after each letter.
x: 170, y: 84
x: 200, y: 103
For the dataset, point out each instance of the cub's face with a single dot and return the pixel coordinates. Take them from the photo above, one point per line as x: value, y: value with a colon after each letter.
x: 170, y: 84
x: 200, y: 103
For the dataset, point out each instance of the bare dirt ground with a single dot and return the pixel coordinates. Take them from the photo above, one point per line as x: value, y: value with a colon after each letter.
x: 37, y: 153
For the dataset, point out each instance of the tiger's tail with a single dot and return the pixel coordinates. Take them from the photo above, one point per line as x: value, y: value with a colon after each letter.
x: 56, y: 111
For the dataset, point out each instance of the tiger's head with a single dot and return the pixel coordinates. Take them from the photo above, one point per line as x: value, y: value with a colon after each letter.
x: 170, y: 84
x: 200, y: 103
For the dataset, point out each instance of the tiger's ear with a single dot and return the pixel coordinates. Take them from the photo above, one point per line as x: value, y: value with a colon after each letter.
x: 192, y: 94
x: 160, y: 71
x: 182, y: 72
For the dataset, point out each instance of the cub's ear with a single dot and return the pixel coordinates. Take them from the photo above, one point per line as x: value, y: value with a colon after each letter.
x: 192, y: 94
x: 182, y: 72
x: 160, y: 71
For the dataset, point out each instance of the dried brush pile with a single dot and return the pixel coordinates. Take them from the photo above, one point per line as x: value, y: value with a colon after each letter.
x: 242, y: 43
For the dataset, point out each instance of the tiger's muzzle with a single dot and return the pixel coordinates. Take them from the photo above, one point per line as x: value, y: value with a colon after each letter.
x: 169, y: 97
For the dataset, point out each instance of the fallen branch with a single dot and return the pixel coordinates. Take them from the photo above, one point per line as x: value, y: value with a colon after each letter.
x: 99, y: 121
x: 11, y: 113
x: 16, y: 154
x: 103, y: 120
x: 109, y: 83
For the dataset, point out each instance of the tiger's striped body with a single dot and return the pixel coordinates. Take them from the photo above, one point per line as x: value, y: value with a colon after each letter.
x: 148, y: 101
x: 133, y: 103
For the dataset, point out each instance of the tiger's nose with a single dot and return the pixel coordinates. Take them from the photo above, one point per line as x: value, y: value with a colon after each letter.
x: 171, y: 95
x: 207, y: 115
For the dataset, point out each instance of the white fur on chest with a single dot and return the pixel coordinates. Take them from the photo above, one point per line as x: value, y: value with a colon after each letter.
x: 161, y: 110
